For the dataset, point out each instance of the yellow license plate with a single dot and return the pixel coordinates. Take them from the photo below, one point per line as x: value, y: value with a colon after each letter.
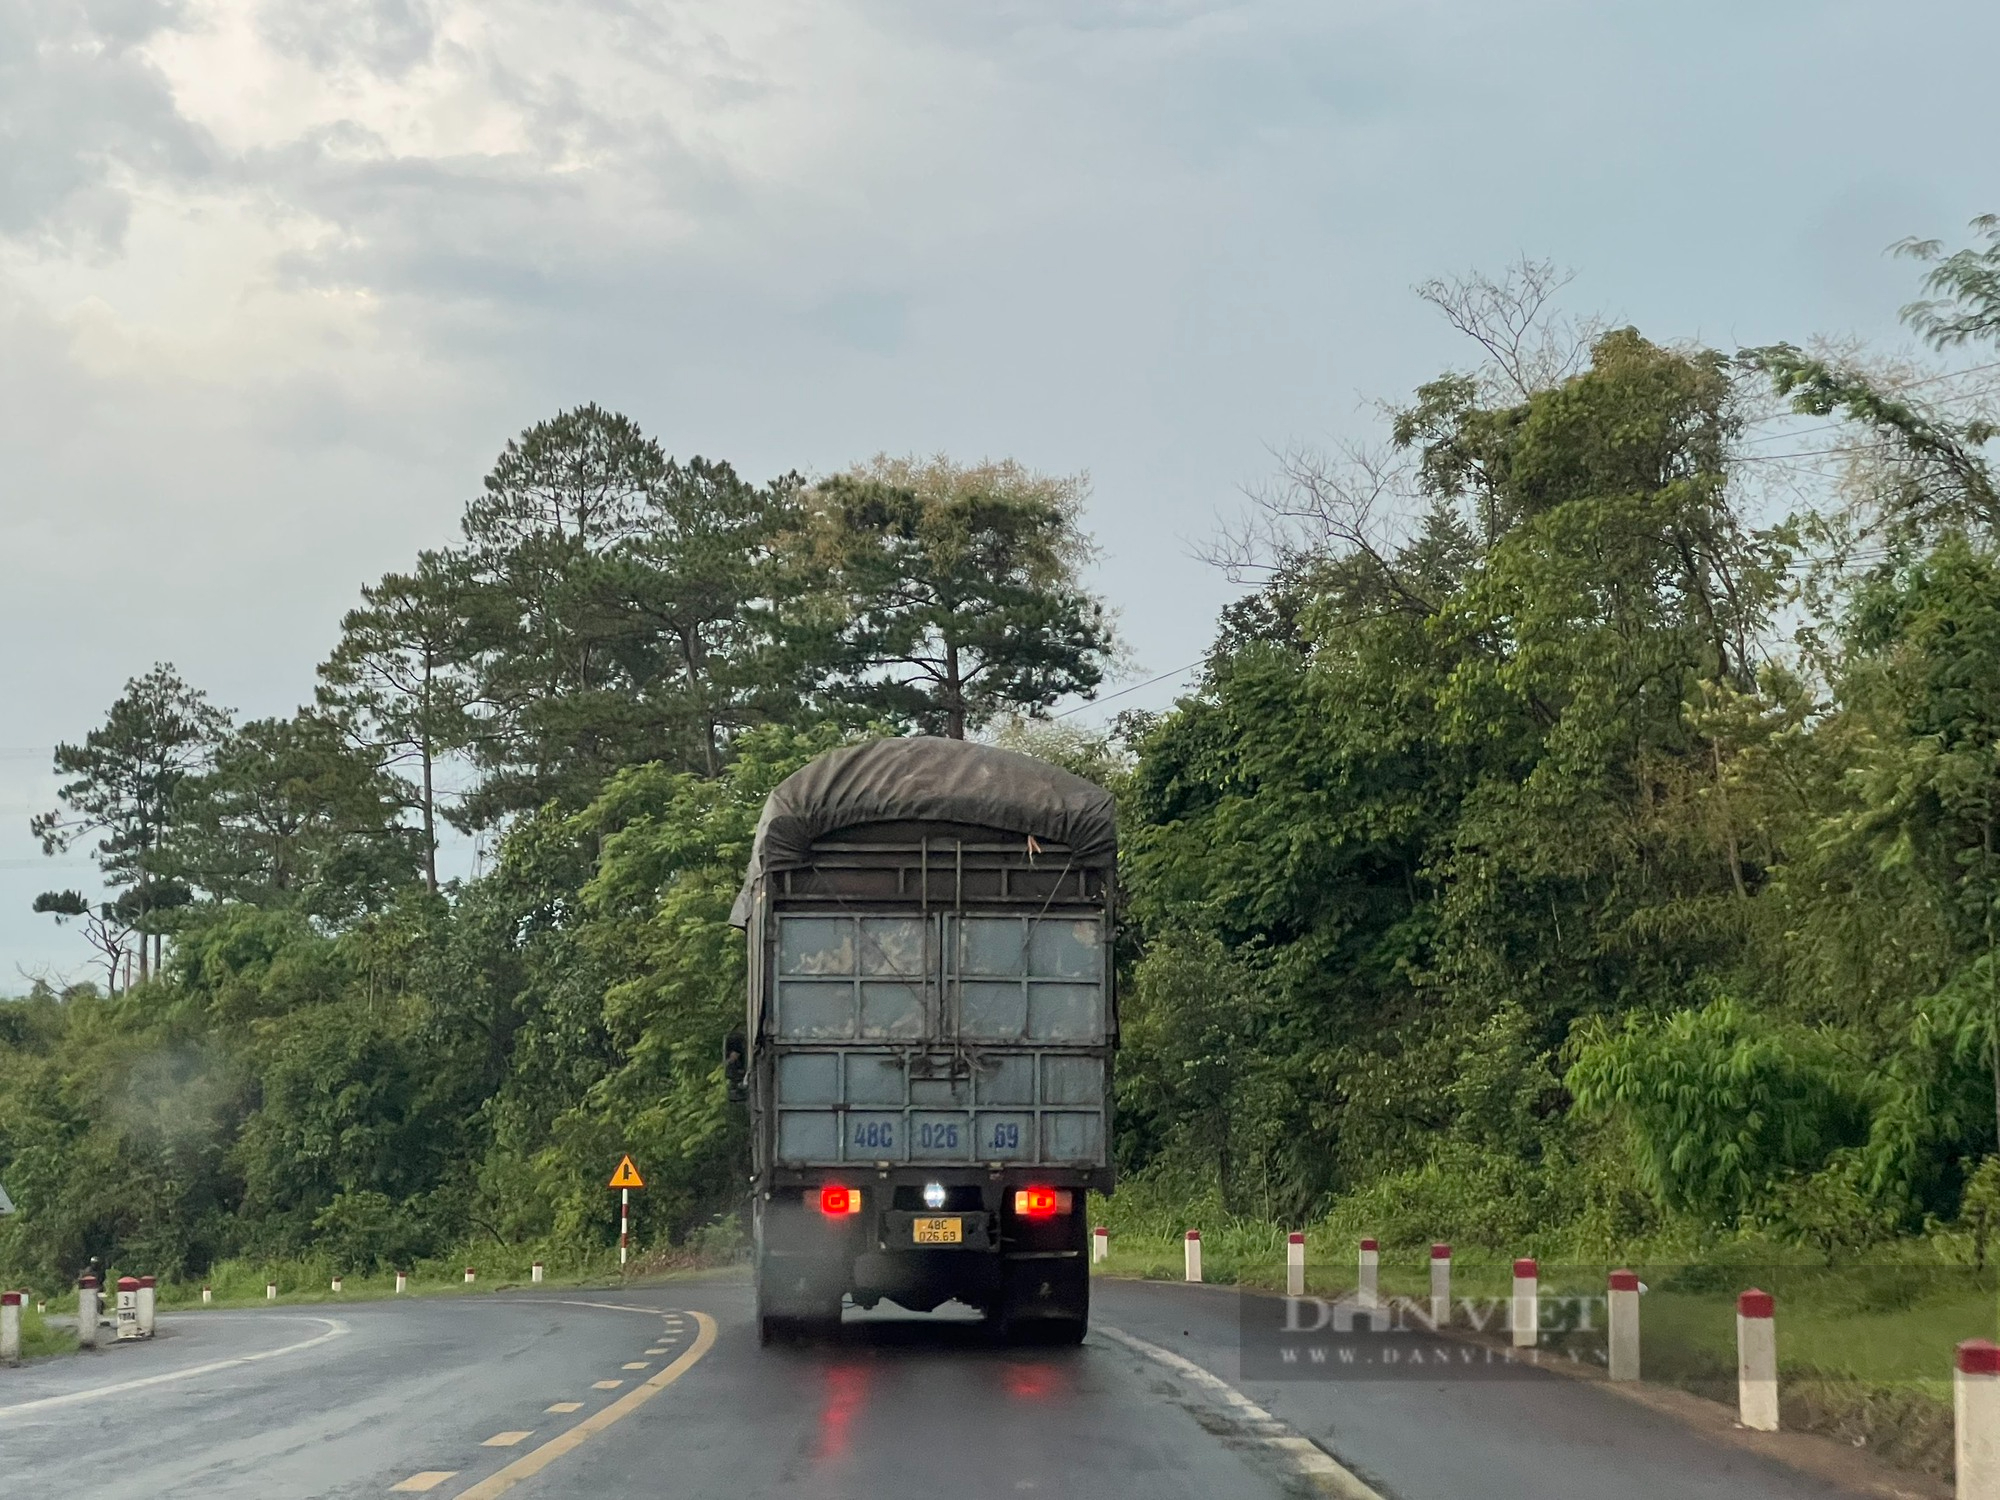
x: 937, y: 1231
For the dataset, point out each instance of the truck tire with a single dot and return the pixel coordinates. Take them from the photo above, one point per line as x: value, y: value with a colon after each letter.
x: 1045, y: 1301
x: 785, y: 1319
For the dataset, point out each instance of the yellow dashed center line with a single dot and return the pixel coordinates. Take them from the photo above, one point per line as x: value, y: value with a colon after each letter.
x: 505, y: 1439
x: 656, y: 1351
x: 430, y: 1479
x: 605, y: 1385
x: 537, y: 1459
x: 565, y: 1406
x: 634, y: 1364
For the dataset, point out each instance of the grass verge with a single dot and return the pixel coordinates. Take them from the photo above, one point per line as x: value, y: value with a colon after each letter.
x: 1865, y: 1352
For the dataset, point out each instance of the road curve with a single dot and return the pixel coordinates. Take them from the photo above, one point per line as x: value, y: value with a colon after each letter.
x: 664, y: 1391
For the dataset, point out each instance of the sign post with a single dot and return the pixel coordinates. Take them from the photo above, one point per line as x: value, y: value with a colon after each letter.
x: 625, y: 1179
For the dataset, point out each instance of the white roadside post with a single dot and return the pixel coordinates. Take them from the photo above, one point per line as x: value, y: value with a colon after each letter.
x: 402, y: 1282
x: 208, y: 1294
x: 337, y: 1282
x: 1440, y: 1285
x: 86, y: 1312
x: 1194, y: 1255
x: 1295, y: 1265
x: 1526, y: 1321
x: 535, y: 1273
x: 270, y: 1291
x: 1368, y: 1270
x: 10, y: 1328
x: 470, y: 1275
x: 1623, y: 1298
x: 1100, y: 1244
x: 128, y: 1307
x: 149, y: 1293
x: 1757, y: 1361
x: 1975, y: 1399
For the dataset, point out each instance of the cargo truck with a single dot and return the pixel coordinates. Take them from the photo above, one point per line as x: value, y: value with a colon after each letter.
x: 927, y: 1057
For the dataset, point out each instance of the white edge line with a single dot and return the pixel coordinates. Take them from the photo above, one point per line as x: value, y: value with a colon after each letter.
x: 1305, y: 1454
x: 334, y: 1329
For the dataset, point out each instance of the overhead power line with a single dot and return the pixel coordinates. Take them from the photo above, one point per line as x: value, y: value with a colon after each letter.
x: 1797, y: 432
x: 1133, y: 689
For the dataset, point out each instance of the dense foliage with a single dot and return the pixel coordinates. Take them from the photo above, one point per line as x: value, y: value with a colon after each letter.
x: 1561, y: 845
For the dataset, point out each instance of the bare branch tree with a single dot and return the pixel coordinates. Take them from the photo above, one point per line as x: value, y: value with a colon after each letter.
x: 1529, y: 346
x: 1354, y: 503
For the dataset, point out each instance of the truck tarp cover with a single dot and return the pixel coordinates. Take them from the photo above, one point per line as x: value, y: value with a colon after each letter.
x: 925, y: 780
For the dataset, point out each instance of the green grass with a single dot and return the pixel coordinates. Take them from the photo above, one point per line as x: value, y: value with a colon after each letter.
x: 39, y: 1339
x: 1864, y: 1352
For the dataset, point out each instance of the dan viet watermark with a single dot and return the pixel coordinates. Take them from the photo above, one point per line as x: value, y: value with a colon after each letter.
x: 1673, y: 1322
x: 1395, y: 1337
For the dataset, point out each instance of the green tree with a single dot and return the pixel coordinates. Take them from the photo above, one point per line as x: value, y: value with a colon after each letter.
x: 699, y: 584
x: 291, y: 813
x: 124, y: 781
x: 399, y: 674
x: 541, y: 630
x: 952, y: 595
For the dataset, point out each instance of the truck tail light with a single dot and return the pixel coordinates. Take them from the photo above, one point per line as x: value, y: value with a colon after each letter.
x: 1042, y: 1202
x: 835, y: 1200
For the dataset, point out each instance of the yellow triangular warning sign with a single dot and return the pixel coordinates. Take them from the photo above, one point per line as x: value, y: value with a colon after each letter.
x: 627, y: 1175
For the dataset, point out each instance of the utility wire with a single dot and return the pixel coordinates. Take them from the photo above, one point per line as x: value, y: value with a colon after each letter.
x: 1132, y: 689
x: 1829, y: 426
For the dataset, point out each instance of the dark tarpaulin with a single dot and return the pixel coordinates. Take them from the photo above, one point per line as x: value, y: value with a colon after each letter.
x: 927, y: 780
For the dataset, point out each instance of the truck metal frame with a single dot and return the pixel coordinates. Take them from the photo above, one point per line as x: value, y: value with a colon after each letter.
x: 909, y: 1075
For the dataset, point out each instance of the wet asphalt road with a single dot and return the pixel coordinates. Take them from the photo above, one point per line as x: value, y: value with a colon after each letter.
x: 457, y: 1394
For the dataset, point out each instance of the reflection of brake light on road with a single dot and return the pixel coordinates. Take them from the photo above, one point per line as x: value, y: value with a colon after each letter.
x: 835, y: 1200
x: 1041, y: 1202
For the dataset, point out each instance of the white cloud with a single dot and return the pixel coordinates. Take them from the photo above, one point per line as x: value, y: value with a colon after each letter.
x: 278, y: 277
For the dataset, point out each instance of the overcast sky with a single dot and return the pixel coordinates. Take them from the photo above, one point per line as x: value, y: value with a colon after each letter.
x: 278, y: 277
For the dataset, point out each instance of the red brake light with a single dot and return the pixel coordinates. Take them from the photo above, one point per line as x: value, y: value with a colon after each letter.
x: 1039, y: 1202
x: 835, y: 1200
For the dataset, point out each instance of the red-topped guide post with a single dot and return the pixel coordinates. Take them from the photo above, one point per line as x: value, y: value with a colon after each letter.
x: 1526, y: 1321
x: 1623, y: 1298
x: 1295, y: 1265
x: 1100, y: 1243
x: 1975, y: 1399
x: 1440, y: 1285
x: 1757, y: 1361
x: 10, y: 1328
x: 149, y: 1292
x: 86, y: 1311
x: 1368, y: 1271
x: 1194, y: 1255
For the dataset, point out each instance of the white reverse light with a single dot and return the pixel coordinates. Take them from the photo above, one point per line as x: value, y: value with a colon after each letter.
x: 933, y: 1195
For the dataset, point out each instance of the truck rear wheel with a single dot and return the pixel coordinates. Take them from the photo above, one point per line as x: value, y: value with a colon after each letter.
x: 1045, y: 1301
x: 788, y: 1316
